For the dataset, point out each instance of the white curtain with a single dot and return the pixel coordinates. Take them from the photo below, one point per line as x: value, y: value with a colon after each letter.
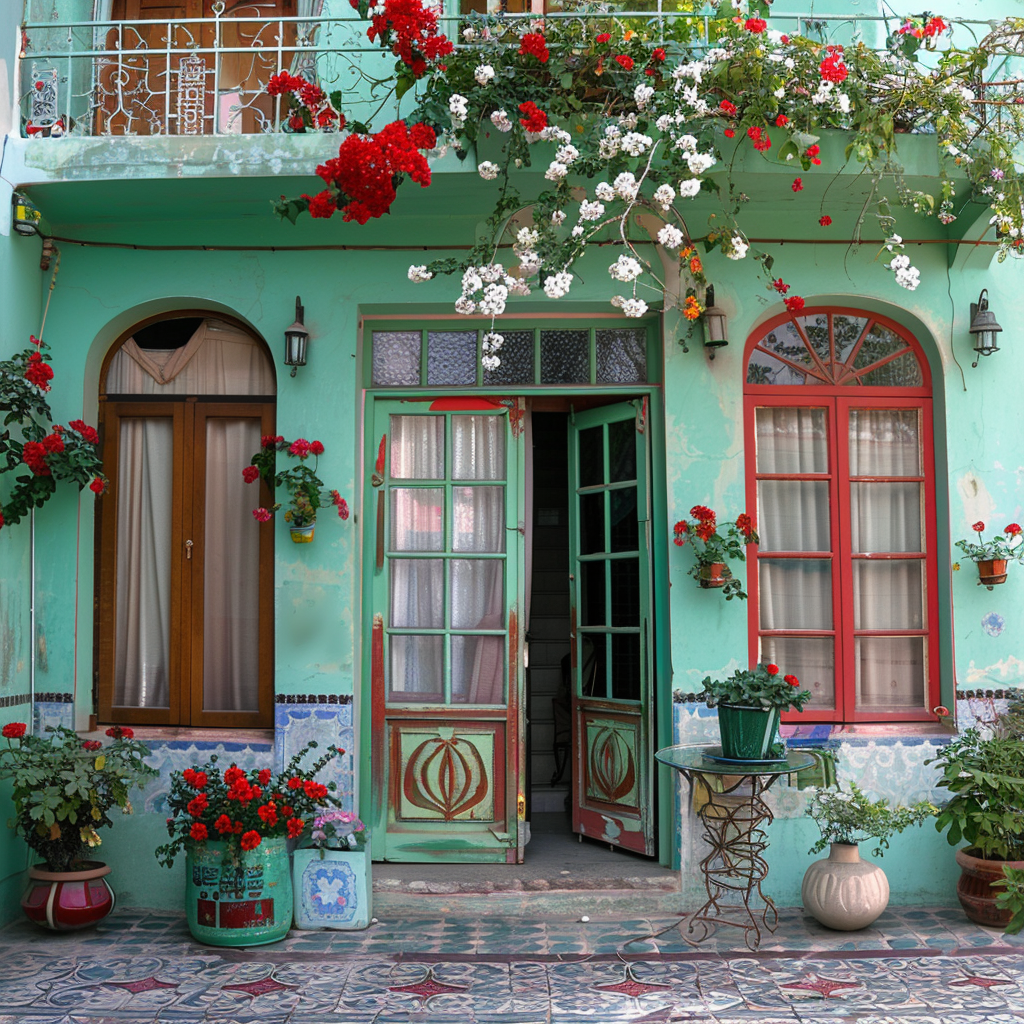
x: 144, y: 502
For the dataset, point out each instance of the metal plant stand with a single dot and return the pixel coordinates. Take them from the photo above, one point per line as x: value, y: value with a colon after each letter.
x: 733, y: 817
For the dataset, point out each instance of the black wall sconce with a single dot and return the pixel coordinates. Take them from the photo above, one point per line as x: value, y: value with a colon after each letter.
x: 296, y: 340
x: 716, y: 327
x: 984, y: 327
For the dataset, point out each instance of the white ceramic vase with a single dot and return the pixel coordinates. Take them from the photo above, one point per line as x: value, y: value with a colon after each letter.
x: 844, y: 892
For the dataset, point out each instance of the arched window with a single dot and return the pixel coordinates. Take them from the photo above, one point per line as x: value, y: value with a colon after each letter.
x: 185, y: 580
x: 840, y: 465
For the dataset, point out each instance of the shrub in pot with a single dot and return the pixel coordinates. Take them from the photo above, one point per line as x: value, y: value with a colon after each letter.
x: 843, y: 891
x: 986, y: 810
x: 64, y: 789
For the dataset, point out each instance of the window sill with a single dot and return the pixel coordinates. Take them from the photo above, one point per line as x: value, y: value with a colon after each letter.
x: 862, y: 733
x: 187, y: 736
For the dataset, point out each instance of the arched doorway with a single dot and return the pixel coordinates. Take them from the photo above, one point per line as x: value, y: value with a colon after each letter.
x: 185, y: 575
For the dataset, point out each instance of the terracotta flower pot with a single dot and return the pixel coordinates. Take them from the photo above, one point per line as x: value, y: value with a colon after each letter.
x: 974, y: 889
x: 715, y: 574
x: 992, y: 572
x: 844, y: 892
x: 67, y: 900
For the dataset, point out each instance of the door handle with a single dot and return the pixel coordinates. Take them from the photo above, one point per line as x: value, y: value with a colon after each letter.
x: 188, y: 550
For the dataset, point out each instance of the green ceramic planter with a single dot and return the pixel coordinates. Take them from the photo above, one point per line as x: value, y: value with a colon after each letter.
x: 747, y: 732
x: 247, y: 902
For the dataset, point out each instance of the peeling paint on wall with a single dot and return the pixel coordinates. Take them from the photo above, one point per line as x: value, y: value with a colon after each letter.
x: 978, y: 503
x: 1007, y: 672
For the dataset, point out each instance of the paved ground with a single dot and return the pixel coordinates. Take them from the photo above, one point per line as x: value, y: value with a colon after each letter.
x: 922, y: 965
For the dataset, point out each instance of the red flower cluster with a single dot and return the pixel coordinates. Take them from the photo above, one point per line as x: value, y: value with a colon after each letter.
x: 759, y: 137
x: 1012, y: 530
x: 197, y: 780
x: 284, y: 82
x: 794, y: 303
x: 932, y: 27
x: 250, y: 474
x: 13, y: 730
x: 729, y: 133
x: 832, y: 67
x: 781, y: 121
x: 658, y: 54
x: 780, y: 286
x: 270, y: 440
x: 121, y: 732
x: 92, y: 745
x: 603, y: 37
x: 772, y: 670
x: 797, y: 185
x: 33, y: 454
x: 744, y: 524
x: 825, y: 220
x: 38, y: 372
x: 755, y: 25
x: 368, y: 167
x: 98, y: 485
x: 197, y: 805
x: 250, y: 840
x: 88, y: 433
x: 680, y: 531
x: 534, y: 119
x: 262, y: 515
x: 411, y: 30
x: 533, y: 45
x: 341, y: 504
x: 792, y: 680
x: 727, y: 107
x: 322, y: 204
x: 625, y: 61
x: 706, y: 522
x: 197, y: 831
x: 812, y: 153
x: 978, y: 527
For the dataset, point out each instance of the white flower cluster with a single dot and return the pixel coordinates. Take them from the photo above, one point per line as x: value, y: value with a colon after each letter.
x: 633, y: 307
x: 636, y: 144
x: 736, y: 247
x: 419, y: 273
x: 490, y: 343
x: 488, y: 170
x: 501, y: 121
x: 458, y: 107
x: 664, y: 196
x: 689, y: 188
x: 626, y: 186
x: 626, y: 268
x: 906, y: 276
x: 494, y: 285
x: 670, y: 236
x: 642, y: 95
x: 484, y: 74
x: 591, y: 210
x: 556, y: 286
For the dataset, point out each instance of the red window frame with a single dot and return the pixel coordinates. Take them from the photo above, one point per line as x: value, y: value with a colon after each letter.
x: 838, y: 400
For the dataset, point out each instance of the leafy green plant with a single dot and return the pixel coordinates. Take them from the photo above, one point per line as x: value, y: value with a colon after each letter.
x: 1012, y: 899
x: 339, y: 830
x: 850, y: 816
x: 1006, y: 545
x: 986, y: 779
x: 763, y: 686
x: 711, y: 545
x: 65, y: 787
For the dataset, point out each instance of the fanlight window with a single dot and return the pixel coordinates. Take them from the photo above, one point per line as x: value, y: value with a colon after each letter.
x: 828, y: 349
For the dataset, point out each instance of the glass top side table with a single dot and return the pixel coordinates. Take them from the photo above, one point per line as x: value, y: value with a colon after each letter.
x: 733, y: 815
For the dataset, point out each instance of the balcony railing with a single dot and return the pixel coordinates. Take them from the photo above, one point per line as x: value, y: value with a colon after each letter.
x: 208, y: 76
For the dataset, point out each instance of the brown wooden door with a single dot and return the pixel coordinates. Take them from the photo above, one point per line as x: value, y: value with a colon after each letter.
x: 185, y: 573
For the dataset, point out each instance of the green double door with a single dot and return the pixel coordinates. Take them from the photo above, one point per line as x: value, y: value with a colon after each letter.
x: 446, y: 582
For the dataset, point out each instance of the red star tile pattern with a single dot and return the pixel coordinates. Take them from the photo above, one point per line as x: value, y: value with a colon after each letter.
x: 823, y: 986
x: 142, y: 985
x: 980, y: 982
x: 630, y: 986
x: 258, y: 988
x: 428, y: 986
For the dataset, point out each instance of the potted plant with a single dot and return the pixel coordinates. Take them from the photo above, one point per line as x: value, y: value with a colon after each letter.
x: 843, y: 891
x: 711, y: 548
x: 749, y: 704
x: 306, y: 489
x: 986, y: 810
x: 234, y: 827
x: 64, y: 788
x: 992, y: 556
x: 332, y: 876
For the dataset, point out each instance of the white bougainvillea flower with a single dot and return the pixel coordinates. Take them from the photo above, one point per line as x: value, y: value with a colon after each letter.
x: 557, y: 285
x: 419, y: 273
x: 670, y: 236
x: 484, y: 74
x: 488, y: 170
x: 626, y: 268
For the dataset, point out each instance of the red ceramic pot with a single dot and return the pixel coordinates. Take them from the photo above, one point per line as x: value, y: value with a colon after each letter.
x: 64, y: 901
x: 992, y: 572
x: 714, y: 574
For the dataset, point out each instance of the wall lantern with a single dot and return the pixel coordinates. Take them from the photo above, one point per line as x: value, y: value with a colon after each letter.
x: 984, y: 327
x: 25, y: 217
x: 296, y: 338
x: 716, y: 333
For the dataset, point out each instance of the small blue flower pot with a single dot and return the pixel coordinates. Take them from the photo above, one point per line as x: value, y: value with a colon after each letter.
x: 333, y: 889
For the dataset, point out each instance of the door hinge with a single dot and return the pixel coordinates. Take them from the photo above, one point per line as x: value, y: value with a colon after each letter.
x: 505, y: 838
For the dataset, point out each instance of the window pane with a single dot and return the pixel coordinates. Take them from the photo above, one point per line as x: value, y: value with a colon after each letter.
x: 478, y: 670
x: 793, y: 515
x: 451, y: 357
x: 795, y: 593
x: 621, y: 356
x: 478, y: 447
x: 593, y: 611
x: 901, y: 372
x: 417, y: 447
x: 565, y: 357
x: 417, y: 592
x: 625, y: 592
x: 626, y: 666
x: 890, y: 673
x: 417, y: 519
x: 477, y: 593
x: 592, y: 524
x: 791, y: 440
x: 622, y: 450
x: 516, y: 355
x: 846, y: 330
x: 478, y: 520
x: 785, y: 340
x: 888, y: 594
x: 879, y: 343
x: 816, y: 328
x: 886, y: 517
x: 592, y: 457
x: 594, y: 662
x: 417, y: 667
x: 625, y: 528
x: 885, y: 442
x: 765, y: 369
x: 396, y: 358
x: 812, y: 661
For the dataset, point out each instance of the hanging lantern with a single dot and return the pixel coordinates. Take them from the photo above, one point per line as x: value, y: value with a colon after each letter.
x: 984, y: 327
x: 296, y: 339
x: 716, y: 327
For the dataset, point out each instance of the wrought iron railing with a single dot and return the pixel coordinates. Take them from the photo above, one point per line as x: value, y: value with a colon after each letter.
x: 208, y: 76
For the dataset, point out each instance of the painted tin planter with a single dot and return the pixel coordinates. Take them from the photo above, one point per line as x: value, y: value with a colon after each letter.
x: 243, y: 902
x: 302, y: 534
x: 747, y: 732
x: 332, y: 891
x: 64, y: 901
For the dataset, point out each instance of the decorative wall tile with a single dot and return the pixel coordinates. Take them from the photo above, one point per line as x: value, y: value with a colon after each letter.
x: 52, y: 713
x: 326, y: 723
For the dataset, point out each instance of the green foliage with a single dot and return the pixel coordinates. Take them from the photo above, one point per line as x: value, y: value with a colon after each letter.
x: 64, y: 788
x: 1013, y: 898
x: 1008, y: 545
x: 711, y: 544
x: 986, y: 809
x: 307, y: 494
x: 763, y: 686
x: 339, y: 830
x: 849, y: 816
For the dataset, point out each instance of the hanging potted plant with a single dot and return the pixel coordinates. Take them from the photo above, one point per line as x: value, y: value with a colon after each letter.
x: 306, y: 489
x: 992, y: 556
x: 986, y: 810
x: 63, y: 790
x: 234, y: 827
x: 331, y: 874
x: 749, y: 704
x: 843, y: 891
x: 712, y: 548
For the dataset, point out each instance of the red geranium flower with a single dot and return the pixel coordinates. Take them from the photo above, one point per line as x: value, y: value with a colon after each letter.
x: 680, y: 531
x: 702, y: 512
x: 744, y: 524
x: 825, y: 221
x: 755, y: 25
x: 314, y: 790
x: 797, y: 185
x: 295, y: 827
x: 781, y: 121
x: 91, y: 745
x: 625, y: 60
x: 13, y: 730
x: 534, y: 119
x: 603, y: 37
x: 250, y: 474
x: 772, y: 670
x: 792, y: 680
x: 223, y: 824
x: 299, y: 447
x: 780, y: 286
x: 294, y: 783
x: 88, y: 433
x: 98, y: 486
x: 658, y: 54
x: 534, y: 45
x: 794, y: 303
x: 197, y: 805
x: 250, y: 840
x: 728, y: 107
x: 316, y: 448
x: 978, y: 526
x: 268, y: 813
x: 262, y: 515
x: 233, y: 774
x: 832, y: 67
x: 1012, y: 530
x: 264, y: 775
x: 197, y: 831
x: 118, y: 732
x: 729, y: 133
